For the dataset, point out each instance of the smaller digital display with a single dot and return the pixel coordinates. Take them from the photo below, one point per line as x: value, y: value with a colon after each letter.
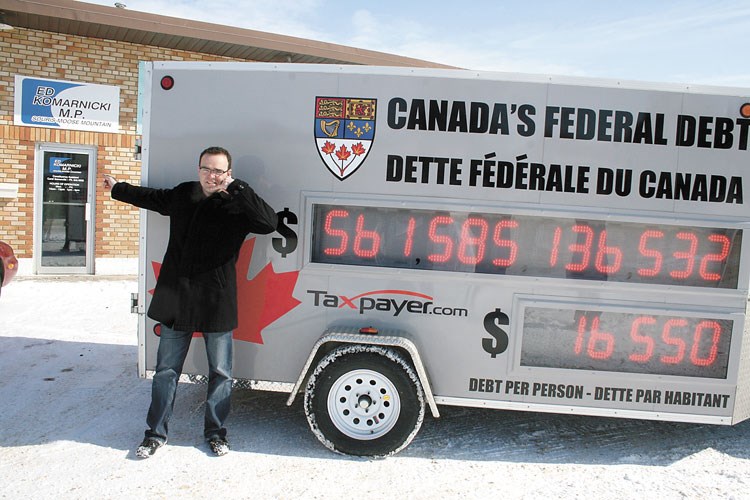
x: 657, y: 344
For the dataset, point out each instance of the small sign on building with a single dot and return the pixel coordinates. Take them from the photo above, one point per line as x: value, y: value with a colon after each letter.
x: 66, y: 105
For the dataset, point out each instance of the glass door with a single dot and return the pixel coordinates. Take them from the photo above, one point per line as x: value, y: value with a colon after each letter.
x: 64, y: 239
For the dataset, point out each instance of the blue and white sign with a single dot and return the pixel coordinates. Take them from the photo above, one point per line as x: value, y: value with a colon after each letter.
x: 66, y: 105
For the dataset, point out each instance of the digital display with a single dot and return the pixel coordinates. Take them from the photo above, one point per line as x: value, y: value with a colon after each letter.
x: 626, y: 342
x: 524, y: 245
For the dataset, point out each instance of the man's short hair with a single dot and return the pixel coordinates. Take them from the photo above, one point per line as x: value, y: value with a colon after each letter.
x: 216, y: 150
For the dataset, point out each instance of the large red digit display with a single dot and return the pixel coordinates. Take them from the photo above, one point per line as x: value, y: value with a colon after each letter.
x: 610, y: 341
x: 524, y: 245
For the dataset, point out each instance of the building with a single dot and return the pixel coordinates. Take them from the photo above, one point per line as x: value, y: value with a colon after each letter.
x: 53, y: 210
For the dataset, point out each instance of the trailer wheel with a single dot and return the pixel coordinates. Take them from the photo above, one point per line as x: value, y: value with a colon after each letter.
x: 364, y: 400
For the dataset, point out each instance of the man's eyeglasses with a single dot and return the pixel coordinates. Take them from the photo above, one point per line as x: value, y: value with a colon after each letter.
x: 212, y: 171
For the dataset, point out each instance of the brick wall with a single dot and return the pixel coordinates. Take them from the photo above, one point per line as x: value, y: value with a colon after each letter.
x: 89, y: 60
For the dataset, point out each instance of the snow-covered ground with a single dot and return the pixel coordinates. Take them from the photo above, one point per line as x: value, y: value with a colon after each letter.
x: 72, y: 410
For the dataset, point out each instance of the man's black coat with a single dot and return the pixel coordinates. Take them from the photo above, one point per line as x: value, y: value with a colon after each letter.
x: 196, y: 290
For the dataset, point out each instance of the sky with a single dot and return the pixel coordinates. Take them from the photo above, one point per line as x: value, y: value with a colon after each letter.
x: 678, y: 41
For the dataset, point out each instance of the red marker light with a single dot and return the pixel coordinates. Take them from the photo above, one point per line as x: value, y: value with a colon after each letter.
x: 167, y: 82
x: 368, y: 330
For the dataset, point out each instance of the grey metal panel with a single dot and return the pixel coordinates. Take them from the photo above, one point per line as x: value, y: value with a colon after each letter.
x: 271, y: 135
x: 742, y: 397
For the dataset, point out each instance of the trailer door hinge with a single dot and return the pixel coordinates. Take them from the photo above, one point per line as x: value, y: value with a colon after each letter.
x: 133, y: 302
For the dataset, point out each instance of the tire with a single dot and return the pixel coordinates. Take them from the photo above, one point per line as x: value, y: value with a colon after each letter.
x: 364, y: 400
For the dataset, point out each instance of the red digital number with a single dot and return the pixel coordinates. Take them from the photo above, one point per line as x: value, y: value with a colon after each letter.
x: 555, y: 251
x: 409, y: 236
x: 584, y: 249
x: 715, y: 328
x: 714, y: 257
x: 364, y: 235
x: 607, y: 254
x: 677, y: 342
x: 615, y: 251
x: 581, y: 248
x: 469, y: 241
x: 441, y: 239
x: 648, y: 252
x: 511, y: 245
x: 340, y: 233
x: 607, y: 259
x: 688, y: 256
x: 639, y: 338
x: 597, y: 344
x: 593, y: 350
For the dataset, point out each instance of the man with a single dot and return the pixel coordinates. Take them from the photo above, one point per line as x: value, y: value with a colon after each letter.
x: 196, y: 290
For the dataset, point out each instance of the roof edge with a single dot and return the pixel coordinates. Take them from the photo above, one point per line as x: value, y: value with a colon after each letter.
x: 84, y: 12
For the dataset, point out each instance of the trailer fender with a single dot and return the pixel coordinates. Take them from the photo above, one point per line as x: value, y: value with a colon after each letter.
x: 346, y: 336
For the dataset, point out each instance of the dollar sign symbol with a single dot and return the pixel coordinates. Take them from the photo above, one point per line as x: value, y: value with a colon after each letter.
x: 499, y: 343
x: 288, y: 243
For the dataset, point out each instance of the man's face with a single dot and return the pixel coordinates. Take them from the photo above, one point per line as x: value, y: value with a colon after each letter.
x: 212, y: 172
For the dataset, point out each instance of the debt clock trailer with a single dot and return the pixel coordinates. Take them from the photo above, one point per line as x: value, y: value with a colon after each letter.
x: 473, y: 239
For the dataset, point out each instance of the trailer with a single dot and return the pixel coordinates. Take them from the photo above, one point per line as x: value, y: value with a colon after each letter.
x: 451, y: 237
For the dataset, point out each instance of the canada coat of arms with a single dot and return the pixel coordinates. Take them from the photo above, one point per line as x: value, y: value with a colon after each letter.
x: 344, y: 132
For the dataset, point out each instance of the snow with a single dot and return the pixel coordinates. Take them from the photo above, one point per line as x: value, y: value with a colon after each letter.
x: 73, y: 411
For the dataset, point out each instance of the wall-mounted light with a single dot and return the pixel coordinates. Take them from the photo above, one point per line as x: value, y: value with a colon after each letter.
x: 8, y: 190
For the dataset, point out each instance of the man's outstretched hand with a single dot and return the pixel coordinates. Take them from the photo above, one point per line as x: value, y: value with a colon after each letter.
x: 108, y: 182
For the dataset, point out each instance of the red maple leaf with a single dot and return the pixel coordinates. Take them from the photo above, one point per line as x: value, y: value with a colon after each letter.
x: 358, y: 149
x: 328, y: 147
x: 343, y: 153
x: 261, y: 300
x: 157, y: 267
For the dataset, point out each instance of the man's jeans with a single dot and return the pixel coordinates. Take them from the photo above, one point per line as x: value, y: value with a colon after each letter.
x: 173, y: 348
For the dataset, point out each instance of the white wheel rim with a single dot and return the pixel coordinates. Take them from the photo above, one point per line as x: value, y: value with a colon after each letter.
x: 364, y: 404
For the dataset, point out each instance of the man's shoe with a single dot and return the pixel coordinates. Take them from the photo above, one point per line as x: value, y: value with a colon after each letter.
x: 148, y: 447
x: 219, y: 446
